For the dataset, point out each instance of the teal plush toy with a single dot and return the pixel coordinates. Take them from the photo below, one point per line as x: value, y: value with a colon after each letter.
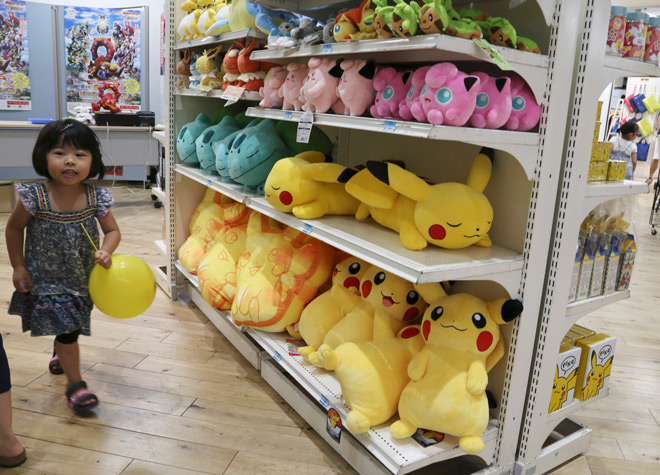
x: 318, y: 141
x: 254, y: 152
x: 232, y: 110
x: 211, y: 135
x: 222, y: 148
x: 185, y: 142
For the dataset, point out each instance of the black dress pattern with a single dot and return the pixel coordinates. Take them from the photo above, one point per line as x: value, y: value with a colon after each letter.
x: 59, y: 258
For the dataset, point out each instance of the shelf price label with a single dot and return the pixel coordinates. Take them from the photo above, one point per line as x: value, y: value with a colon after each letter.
x: 232, y: 94
x: 307, y: 228
x: 494, y: 55
x: 305, y: 127
x: 288, y: 115
x: 327, y: 48
x: 389, y: 126
x: 209, y: 183
x: 277, y: 356
x: 324, y: 401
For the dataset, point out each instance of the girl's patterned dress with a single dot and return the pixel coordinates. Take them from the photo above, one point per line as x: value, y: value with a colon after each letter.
x: 59, y: 258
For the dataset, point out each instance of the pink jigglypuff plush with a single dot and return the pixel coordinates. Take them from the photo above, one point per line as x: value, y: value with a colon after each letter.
x: 290, y: 90
x: 319, y: 92
x: 272, y: 84
x: 493, y: 107
x: 525, y: 112
x: 391, y: 89
x: 356, y: 88
x: 417, y: 81
x: 448, y: 97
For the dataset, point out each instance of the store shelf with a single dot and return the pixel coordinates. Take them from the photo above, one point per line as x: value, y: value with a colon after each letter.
x: 160, y: 245
x: 555, y: 417
x: 160, y: 136
x: 158, y: 193
x: 221, y: 320
x: 418, y: 49
x: 398, y: 455
x: 599, y: 192
x: 568, y: 440
x: 212, y: 180
x: 160, y: 273
x: 576, y: 310
x: 522, y: 145
x: 622, y: 67
x: 217, y: 93
x: 221, y: 39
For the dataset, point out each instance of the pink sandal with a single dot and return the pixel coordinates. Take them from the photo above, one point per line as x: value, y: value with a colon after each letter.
x: 78, y: 397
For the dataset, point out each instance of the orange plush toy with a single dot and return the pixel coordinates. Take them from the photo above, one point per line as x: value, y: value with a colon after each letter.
x: 205, y: 223
x: 279, y: 272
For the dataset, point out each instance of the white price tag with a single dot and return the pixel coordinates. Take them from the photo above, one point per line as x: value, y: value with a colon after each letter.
x: 288, y: 115
x: 327, y: 48
x: 389, y: 126
x: 307, y: 228
x: 305, y: 127
x: 232, y: 94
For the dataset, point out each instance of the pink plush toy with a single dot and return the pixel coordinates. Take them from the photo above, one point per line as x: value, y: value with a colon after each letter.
x: 493, y: 102
x: 290, y: 90
x: 272, y: 84
x: 356, y: 89
x: 448, y: 97
x: 319, y: 93
x: 416, y: 81
x: 526, y: 112
x: 391, y: 89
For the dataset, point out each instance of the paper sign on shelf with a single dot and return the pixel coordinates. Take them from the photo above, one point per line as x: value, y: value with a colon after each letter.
x: 502, y: 63
x: 305, y: 127
x: 232, y: 94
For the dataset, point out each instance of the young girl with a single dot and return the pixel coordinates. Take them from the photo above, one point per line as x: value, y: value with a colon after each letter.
x: 51, y: 277
x: 624, y: 148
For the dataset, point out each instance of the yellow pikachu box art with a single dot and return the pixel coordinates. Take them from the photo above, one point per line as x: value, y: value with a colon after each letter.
x: 595, y: 365
x: 563, y: 387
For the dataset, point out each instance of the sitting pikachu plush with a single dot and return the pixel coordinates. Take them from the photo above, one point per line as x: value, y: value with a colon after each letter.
x: 372, y: 374
x: 560, y: 388
x: 382, y: 292
x: 291, y: 187
x: 447, y: 391
x: 322, y: 313
x: 448, y: 215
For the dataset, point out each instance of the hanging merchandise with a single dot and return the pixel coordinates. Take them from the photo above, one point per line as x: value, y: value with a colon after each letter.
x: 651, y: 104
x: 643, y: 145
x: 15, y: 91
x: 103, y: 45
x: 645, y: 129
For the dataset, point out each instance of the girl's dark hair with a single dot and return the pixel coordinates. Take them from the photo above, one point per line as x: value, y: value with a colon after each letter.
x: 628, y: 127
x: 67, y: 132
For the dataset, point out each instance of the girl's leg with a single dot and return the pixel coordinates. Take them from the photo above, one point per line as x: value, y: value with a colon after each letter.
x: 69, y: 354
x: 9, y: 444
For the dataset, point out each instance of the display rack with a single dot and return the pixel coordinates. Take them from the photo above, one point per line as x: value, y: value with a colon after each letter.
x: 523, y: 191
x: 226, y: 38
x: 246, y: 96
x: 548, y: 440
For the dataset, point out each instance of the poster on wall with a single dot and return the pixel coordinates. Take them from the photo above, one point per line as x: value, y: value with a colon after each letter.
x: 14, y: 63
x: 102, y: 51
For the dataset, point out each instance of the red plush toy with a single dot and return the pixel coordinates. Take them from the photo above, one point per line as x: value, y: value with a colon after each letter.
x: 109, y: 94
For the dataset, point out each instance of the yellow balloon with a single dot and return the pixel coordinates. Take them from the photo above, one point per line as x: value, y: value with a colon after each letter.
x: 125, y: 290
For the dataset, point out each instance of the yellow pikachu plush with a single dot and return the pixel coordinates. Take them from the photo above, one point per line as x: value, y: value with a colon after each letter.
x: 596, y: 377
x: 448, y: 215
x: 322, y: 313
x: 560, y: 389
x: 382, y: 292
x: 448, y: 378
x: 291, y: 188
x: 372, y: 374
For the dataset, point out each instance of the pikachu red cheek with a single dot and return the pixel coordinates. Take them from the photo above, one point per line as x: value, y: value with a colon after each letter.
x: 352, y: 282
x: 426, y: 329
x: 437, y: 232
x: 484, y: 341
x: 409, y: 333
x: 286, y: 198
x: 411, y: 314
x: 366, y: 289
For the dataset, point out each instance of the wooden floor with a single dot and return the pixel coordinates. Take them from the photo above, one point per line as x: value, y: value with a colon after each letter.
x: 178, y: 399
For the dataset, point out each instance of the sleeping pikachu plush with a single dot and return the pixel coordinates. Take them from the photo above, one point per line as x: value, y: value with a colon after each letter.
x: 448, y: 378
x: 448, y: 215
x: 322, y: 313
x: 372, y: 374
x: 382, y: 292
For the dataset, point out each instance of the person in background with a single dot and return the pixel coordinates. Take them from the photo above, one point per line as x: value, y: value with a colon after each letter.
x: 624, y: 147
x: 12, y: 453
x: 653, y: 167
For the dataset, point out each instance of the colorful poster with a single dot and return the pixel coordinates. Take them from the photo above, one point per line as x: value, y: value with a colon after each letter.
x: 102, y: 51
x: 14, y: 60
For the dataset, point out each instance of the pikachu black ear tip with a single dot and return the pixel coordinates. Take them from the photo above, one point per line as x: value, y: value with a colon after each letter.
x: 346, y: 175
x: 489, y: 152
x: 511, y: 309
x: 379, y: 170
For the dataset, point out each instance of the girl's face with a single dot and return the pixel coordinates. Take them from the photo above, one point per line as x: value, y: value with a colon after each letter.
x: 68, y: 165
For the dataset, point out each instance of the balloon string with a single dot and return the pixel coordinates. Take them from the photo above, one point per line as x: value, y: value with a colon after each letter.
x: 90, y: 237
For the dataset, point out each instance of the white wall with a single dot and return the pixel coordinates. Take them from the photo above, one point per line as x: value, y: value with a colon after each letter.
x: 156, y: 82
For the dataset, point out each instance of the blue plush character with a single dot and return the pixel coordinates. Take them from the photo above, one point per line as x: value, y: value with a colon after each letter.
x: 254, y: 152
x: 211, y: 135
x: 185, y: 142
x: 267, y: 19
x: 222, y: 148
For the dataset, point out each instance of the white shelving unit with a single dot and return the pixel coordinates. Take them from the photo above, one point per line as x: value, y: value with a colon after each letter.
x: 226, y: 38
x: 523, y: 191
x: 247, y: 95
x: 548, y: 440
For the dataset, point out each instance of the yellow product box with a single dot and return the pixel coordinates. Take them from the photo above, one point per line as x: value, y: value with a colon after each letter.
x: 597, y: 171
x: 596, y: 132
x: 575, y: 336
x: 595, y: 365
x: 599, y: 109
x: 627, y: 261
x: 563, y: 387
x: 582, y: 330
x: 600, y: 151
x: 616, y: 170
x: 612, y: 265
x: 568, y: 341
